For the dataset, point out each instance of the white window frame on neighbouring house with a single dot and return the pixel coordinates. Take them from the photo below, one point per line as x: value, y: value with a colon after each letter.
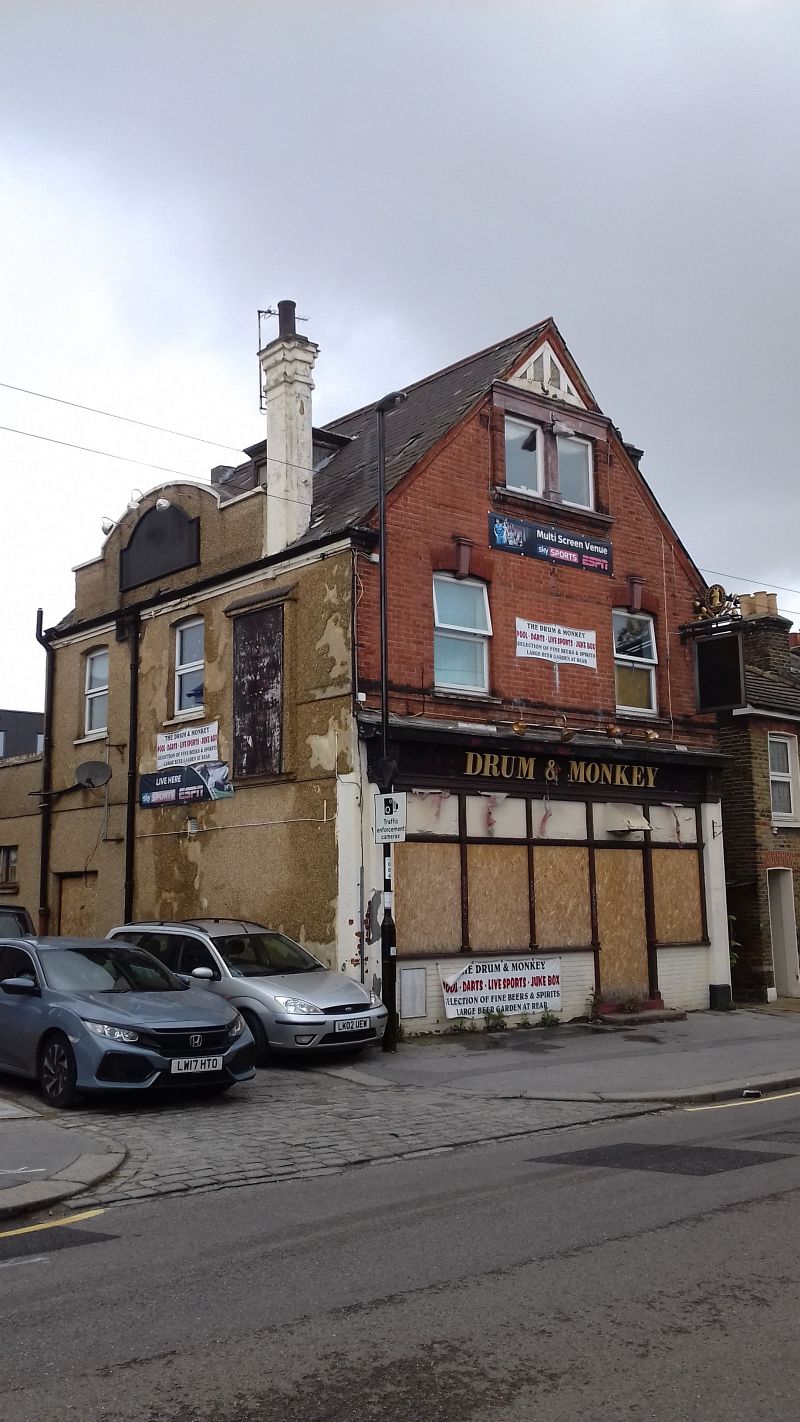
x: 8, y: 863
x: 95, y: 695
x: 183, y: 668
x: 445, y: 632
x: 2, y: 744
x: 622, y: 660
x: 790, y: 776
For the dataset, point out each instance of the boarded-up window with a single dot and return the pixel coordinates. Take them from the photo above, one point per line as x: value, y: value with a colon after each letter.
x: 427, y: 895
x: 676, y: 892
x: 258, y: 692
x: 563, y: 906
x: 499, y: 906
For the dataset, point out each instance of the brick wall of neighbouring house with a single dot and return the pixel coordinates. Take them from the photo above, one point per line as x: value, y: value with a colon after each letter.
x: 753, y: 846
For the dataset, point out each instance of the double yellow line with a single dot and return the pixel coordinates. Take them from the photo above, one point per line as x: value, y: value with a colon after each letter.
x: 51, y: 1224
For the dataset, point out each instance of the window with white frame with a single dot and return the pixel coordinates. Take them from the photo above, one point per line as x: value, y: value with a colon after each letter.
x: 528, y: 447
x: 524, y: 456
x: 635, y: 661
x: 783, y: 777
x: 575, y: 475
x: 95, y: 717
x: 8, y: 864
x: 2, y: 744
x: 462, y: 628
x: 189, y: 665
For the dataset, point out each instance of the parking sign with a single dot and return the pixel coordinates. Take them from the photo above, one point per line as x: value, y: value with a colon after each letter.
x: 390, y: 817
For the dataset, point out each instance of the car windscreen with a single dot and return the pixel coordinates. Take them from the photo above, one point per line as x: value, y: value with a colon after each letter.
x: 106, y: 970
x: 257, y: 955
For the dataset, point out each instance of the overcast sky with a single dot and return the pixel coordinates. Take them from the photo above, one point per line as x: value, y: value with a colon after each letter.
x: 423, y: 179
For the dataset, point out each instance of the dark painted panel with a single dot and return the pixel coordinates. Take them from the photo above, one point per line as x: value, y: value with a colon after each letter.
x: 258, y: 692
x: 164, y: 541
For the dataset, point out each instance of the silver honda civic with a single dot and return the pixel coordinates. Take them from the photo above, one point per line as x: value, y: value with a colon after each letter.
x: 289, y: 1000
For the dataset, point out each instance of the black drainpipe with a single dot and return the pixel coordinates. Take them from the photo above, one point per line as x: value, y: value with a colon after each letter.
x: 129, y: 629
x: 47, y: 779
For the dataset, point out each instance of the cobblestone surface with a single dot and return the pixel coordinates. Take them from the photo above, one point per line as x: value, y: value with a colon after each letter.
x: 297, y: 1123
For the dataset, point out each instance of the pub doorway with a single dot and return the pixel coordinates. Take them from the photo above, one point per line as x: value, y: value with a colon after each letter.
x: 621, y: 921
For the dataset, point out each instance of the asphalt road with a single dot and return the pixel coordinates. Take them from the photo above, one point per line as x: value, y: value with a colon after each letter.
x: 635, y: 1269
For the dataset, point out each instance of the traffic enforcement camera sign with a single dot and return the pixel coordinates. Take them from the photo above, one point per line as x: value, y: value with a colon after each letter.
x: 390, y: 817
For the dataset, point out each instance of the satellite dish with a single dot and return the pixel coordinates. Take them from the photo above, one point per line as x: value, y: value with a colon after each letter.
x: 92, y: 774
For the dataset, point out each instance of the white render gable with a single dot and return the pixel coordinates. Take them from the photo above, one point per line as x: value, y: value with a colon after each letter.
x: 544, y: 374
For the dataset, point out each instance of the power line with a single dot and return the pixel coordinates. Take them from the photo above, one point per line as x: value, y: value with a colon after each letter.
x: 143, y: 463
x: 737, y: 578
x: 128, y: 419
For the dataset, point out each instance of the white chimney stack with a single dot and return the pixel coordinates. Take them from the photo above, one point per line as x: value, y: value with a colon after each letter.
x: 287, y: 363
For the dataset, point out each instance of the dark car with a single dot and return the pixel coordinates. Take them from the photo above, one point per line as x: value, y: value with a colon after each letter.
x: 84, y: 1015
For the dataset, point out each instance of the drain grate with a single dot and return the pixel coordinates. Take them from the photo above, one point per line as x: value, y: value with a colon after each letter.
x: 669, y: 1159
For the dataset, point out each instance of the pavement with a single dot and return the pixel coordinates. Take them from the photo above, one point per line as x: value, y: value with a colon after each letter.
x: 41, y: 1164
x: 706, y: 1057
x: 303, y: 1120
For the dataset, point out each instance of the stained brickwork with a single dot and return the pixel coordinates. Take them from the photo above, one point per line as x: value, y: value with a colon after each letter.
x: 753, y: 843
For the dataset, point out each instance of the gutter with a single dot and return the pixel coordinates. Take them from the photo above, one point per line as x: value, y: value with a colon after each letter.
x: 130, y: 630
x: 765, y: 715
x: 47, y: 778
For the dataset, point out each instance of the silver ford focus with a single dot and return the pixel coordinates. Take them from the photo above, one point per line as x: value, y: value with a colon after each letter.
x: 289, y: 1000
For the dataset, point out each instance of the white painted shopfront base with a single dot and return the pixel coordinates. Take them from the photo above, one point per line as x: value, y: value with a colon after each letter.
x: 683, y: 978
x: 421, y: 1004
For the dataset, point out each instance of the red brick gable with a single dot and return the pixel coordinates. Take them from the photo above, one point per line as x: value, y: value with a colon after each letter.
x: 448, y: 496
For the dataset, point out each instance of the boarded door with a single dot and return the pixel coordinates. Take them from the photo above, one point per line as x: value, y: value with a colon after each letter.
x: 76, y: 915
x: 621, y: 921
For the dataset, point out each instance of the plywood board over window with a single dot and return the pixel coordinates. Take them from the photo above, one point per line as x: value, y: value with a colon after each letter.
x: 499, y: 910
x: 676, y: 896
x: 563, y: 907
x: 427, y: 898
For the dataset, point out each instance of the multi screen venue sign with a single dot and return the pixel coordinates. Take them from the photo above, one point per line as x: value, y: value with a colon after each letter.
x: 553, y: 545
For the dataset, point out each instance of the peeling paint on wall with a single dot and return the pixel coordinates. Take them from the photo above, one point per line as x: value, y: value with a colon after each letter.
x: 334, y: 642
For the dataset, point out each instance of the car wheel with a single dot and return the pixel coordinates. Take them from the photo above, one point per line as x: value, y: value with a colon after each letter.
x: 261, y: 1053
x: 57, y: 1072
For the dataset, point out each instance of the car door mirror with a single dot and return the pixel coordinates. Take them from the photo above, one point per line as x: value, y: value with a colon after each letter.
x: 20, y: 987
x: 204, y: 974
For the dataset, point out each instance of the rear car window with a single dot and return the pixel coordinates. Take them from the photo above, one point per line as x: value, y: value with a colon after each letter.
x: 14, y: 923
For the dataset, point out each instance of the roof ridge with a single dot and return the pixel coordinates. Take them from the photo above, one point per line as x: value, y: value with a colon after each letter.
x: 527, y: 331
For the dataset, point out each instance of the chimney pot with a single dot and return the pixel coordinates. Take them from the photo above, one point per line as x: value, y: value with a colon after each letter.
x: 286, y: 318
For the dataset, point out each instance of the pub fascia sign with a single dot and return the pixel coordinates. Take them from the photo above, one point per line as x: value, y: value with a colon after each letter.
x: 499, y: 766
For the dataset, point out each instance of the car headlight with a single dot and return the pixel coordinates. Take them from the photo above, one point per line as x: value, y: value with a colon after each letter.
x: 298, y: 1007
x: 110, y: 1032
x: 374, y: 1000
x: 236, y: 1026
